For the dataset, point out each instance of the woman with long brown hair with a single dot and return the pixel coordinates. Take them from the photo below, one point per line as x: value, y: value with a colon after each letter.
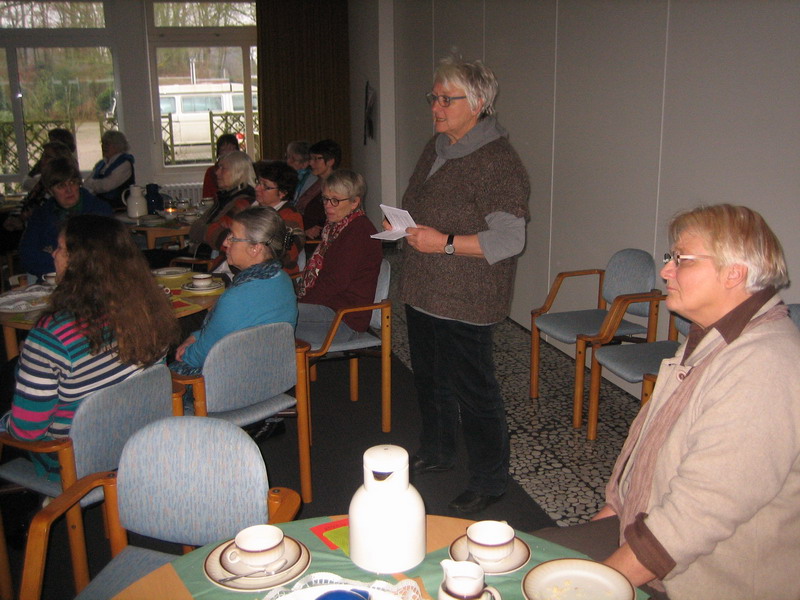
x: 107, y: 319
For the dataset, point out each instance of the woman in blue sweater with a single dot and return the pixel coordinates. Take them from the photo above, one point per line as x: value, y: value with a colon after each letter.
x: 261, y: 292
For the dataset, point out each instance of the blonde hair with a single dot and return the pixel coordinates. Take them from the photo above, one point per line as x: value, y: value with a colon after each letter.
x: 737, y: 235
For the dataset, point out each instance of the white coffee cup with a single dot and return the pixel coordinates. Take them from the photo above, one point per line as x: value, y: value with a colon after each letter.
x: 464, y: 580
x: 201, y: 280
x: 50, y: 278
x: 256, y: 546
x: 490, y: 541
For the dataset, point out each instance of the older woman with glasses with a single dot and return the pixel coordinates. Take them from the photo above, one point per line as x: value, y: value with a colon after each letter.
x: 343, y: 271
x: 261, y: 291
x: 469, y: 194
x: 704, y: 500
x: 68, y: 197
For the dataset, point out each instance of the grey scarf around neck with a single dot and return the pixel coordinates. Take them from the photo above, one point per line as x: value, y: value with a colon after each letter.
x: 486, y: 130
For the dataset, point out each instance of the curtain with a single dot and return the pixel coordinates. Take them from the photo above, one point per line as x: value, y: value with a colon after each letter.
x: 303, y: 74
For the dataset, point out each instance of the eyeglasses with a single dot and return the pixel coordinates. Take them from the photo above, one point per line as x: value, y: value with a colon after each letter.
x: 230, y: 238
x: 444, y: 101
x: 264, y: 186
x: 316, y: 157
x: 66, y: 185
x: 675, y: 256
x: 334, y: 201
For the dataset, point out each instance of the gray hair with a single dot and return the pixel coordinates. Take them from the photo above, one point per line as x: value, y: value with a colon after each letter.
x: 299, y: 148
x: 265, y: 226
x: 476, y: 79
x: 346, y: 182
x: 241, y: 168
x: 115, y: 139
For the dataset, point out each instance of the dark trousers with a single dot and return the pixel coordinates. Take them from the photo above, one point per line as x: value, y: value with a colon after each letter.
x: 454, y: 376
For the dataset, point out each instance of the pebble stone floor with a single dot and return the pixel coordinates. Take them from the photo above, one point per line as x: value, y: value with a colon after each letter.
x: 561, y: 470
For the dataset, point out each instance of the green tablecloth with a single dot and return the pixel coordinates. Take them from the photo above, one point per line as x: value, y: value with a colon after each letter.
x: 190, y: 566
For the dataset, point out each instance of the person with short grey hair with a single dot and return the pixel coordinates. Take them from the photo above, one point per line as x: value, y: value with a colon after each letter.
x: 114, y: 173
x: 298, y: 156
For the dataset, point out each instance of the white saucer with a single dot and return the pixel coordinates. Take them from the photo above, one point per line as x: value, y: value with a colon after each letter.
x: 190, y: 287
x: 170, y: 271
x: 213, y: 569
x: 291, y: 553
x: 513, y: 562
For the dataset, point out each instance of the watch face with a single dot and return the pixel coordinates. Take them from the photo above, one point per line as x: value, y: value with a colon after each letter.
x: 449, y: 249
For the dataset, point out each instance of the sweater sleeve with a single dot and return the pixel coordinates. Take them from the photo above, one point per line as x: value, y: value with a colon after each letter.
x: 34, y: 254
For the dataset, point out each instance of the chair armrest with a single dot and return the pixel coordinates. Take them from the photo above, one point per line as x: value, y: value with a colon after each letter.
x: 39, y: 531
x: 38, y: 446
x: 283, y: 504
x: 338, y: 319
x: 551, y: 295
x: 617, y: 312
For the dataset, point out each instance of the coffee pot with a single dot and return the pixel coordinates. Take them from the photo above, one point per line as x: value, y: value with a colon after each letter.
x: 133, y: 198
x: 387, y: 515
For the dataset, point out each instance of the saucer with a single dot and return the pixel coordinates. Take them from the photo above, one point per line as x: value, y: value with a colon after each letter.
x: 190, y: 287
x: 214, y: 571
x: 170, y: 271
x: 516, y: 560
x: 291, y: 552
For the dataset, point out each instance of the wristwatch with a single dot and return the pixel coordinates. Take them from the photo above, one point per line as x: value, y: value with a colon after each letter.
x: 448, y: 247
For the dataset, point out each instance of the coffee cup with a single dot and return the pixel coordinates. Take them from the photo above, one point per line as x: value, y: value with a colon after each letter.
x: 490, y: 541
x: 201, y: 280
x: 50, y: 278
x: 464, y: 580
x: 256, y: 546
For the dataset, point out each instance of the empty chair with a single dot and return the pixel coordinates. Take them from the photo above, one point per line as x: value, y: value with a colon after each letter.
x: 629, y: 271
x: 324, y: 346
x: 102, y: 424
x: 246, y: 378
x: 178, y: 480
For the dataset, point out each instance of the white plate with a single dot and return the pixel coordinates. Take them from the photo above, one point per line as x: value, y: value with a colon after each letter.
x: 513, y: 562
x: 151, y: 221
x: 213, y: 569
x: 576, y: 579
x: 170, y: 271
x: 315, y: 592
x: 27, y: 300
x: 190, y: 287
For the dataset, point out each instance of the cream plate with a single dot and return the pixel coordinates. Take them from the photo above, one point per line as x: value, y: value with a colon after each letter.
x: 576, y: 579
x: 170, y: 271
x: 513, y: 562
x: 34, y: 297
x: 215, y: 571
x: 190, y: 287
x: 151, y: 221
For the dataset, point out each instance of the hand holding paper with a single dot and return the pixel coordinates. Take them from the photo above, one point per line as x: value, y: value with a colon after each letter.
x: 399, y: 219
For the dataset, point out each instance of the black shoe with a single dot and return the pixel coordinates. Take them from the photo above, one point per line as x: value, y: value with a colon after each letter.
x: 418, y: 466
x: 266, y: 430
x: 471, y: 502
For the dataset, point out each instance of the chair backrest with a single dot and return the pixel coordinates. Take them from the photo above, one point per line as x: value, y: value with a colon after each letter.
x: 630, y: 271
x: 794, y: 313
x: 107, y: 418
x: 381, y: 292
x: 249, y: 366
x: 191, y: 480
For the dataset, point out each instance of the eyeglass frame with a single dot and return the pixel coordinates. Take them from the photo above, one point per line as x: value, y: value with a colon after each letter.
x: 260, y: 183
x: 443, y: 101
x: 65, y: 185
x: 230, y: 238
x: 334, y: 202
x: 677, y: 257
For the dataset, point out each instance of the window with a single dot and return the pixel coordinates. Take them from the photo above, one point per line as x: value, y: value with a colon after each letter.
x: 51, y: 15
x: 168, y: 104
x: 201, y: 103
x: 205, y: 14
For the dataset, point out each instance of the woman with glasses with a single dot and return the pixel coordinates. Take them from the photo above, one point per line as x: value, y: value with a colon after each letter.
x: 704, y: 499
x: 62, y: 179
x: 343, y: 271
x: 469, y: 195
x: 261, y: 291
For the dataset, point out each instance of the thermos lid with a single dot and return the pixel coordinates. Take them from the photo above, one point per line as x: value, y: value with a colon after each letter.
x: 385, y: 459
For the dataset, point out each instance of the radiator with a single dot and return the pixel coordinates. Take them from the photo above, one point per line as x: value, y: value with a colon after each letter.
x: 184, y: 191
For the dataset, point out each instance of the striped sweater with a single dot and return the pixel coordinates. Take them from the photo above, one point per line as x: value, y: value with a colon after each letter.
x: 55, y: 373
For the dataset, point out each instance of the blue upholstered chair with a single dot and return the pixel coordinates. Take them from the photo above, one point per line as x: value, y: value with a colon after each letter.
x: 323, y: 344
x: 794, y: 313
x: 102, y: 424
x: 185, y: 480
x: 246, y: 377
x: 629, y: 271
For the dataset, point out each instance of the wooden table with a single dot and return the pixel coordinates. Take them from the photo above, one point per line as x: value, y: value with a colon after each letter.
x: 184, y: 303
x: 183, y: 578
x: 172, y: 229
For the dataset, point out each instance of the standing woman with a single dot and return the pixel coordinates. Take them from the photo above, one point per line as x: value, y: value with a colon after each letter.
x: 469, y: 193
x: 107, y: 319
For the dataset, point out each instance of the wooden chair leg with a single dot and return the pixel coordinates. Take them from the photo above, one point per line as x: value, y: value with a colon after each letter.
x: 77, y: 545
x: 303, y: 421
x: 577, y: 396
x: 594, y: 398
x: 648, y: 384
x: 312, y: 372
x: 386, y: 371
x: 353, y: 379
x: 535, y: 342
x: 6, y: 587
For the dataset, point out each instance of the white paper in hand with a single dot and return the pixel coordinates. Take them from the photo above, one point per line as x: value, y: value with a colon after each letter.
x: 399, y: 219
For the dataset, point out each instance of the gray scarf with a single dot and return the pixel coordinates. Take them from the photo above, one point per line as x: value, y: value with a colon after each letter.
x: 486, y: 130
